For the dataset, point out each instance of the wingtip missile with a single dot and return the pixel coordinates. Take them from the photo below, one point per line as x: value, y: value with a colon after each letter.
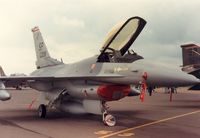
x: 4, y: 95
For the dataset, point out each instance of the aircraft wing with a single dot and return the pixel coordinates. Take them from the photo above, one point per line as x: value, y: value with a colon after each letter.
x: 24, y: 78
x: 13, y: 81
x: 16, y: 80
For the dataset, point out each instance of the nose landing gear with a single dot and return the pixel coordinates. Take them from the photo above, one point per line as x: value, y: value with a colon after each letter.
x: 108, y: 119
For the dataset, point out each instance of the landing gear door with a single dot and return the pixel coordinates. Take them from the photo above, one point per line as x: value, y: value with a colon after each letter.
x: 121, y: 37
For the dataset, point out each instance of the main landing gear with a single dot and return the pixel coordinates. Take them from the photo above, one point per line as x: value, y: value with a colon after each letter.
x: 108, y: 119
x: 42, y: 111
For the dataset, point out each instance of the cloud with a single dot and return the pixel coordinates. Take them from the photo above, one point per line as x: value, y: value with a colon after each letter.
x: 75, y: 29
x: 68, y: 23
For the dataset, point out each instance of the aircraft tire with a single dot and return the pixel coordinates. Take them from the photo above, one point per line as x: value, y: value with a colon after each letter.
x: 42, y: 111
x: 109, y: 120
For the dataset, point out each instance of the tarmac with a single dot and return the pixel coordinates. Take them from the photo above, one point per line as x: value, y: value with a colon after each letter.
x: 156, y: 117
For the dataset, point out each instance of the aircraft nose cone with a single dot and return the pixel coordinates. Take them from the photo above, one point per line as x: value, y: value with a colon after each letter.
x: 193, y: 79
x: 4, y: 95
x: 168, y: 77
x: 189, y: 79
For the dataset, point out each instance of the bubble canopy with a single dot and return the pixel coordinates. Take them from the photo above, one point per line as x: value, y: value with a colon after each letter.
x: 122, y: 35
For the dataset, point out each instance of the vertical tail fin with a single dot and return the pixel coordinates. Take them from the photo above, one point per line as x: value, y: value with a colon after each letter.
x: 43, y: 57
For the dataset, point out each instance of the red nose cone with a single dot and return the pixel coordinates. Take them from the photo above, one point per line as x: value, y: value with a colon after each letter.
x: 113, y: 92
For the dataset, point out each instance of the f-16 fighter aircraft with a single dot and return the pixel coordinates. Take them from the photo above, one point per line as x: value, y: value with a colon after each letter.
x: 87, y: 85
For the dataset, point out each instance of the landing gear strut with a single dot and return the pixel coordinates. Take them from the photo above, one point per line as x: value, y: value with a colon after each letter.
x: 42, y: 111
x: 108, y: 119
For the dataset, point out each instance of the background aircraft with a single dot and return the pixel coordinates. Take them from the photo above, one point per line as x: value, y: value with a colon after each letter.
x: 87, y: 85
x: 191, y: 61
x: 15, y: 85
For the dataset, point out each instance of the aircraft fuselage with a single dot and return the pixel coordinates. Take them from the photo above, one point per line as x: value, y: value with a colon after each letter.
x: 128, y: 74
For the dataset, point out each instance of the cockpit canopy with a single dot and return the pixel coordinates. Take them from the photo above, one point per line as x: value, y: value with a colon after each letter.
x: 120, y: 38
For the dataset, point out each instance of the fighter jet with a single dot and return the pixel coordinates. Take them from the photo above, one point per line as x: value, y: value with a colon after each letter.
x: 17, y: 86
x: 86, y: 86
x: 191, y: 61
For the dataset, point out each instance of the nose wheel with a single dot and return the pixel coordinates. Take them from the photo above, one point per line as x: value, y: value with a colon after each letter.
x: 42, y: 111
x: 108, y: 119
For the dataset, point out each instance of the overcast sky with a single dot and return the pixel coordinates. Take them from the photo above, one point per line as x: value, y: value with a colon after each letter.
x: 75, y: 29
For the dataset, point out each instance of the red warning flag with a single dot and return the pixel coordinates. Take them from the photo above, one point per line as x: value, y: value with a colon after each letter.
x: 142, y: 96
x: 143, y: 86
x: 143, y: 90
